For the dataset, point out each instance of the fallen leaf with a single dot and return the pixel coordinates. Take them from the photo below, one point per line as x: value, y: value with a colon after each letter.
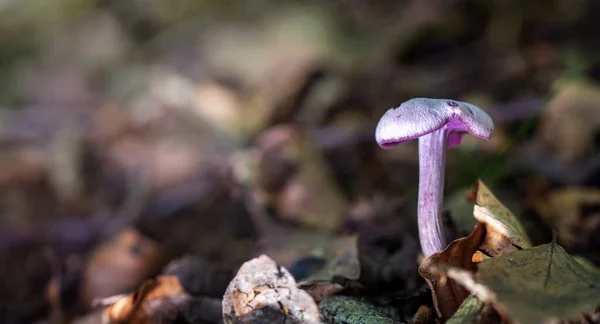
x: 264, y: 292
x: 540, y: 283
x: 120, y: 265
x: 423, y: 315
x: 447, y: 294
x: 587, y: 264
x: 573, y: 211
x: 152, y: 299
x: 504, y: 232
x: 160, y: 300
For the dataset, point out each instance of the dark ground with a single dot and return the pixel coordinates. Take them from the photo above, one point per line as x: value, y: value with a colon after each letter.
x: 145, y: 138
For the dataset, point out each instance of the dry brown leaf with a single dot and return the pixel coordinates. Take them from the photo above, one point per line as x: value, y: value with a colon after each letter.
x: 154, y: 299
x: 158, y: 301
x: 504, y: 232
x: 264, y: 292
x: 120, y: 265
x: 447, y: 294
x: 423, y: 315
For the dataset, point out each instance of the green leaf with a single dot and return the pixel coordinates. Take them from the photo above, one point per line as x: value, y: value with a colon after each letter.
x: 539, y: 283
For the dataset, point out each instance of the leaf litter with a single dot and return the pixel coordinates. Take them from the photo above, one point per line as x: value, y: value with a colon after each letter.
x: 121, y: 127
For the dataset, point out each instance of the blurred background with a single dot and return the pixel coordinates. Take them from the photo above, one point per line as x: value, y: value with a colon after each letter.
x: 135, y: 133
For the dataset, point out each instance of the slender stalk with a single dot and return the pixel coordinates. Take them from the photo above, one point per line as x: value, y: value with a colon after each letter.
x: 432, y: 163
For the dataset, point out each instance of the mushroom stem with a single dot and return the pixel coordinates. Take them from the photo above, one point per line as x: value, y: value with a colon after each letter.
x: 432, y: 162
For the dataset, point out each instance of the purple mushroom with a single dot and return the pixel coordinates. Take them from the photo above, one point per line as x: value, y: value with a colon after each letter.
x: 439, y: 124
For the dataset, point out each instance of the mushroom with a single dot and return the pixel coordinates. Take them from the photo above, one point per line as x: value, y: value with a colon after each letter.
x: 439, y: 124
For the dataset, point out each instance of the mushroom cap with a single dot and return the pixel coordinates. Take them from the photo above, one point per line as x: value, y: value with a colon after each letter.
x: 421, y: 116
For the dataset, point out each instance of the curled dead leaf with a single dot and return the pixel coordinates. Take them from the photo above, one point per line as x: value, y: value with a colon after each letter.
x: 447, y: 294
x: 161, y: 300
x: 152, y: 299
